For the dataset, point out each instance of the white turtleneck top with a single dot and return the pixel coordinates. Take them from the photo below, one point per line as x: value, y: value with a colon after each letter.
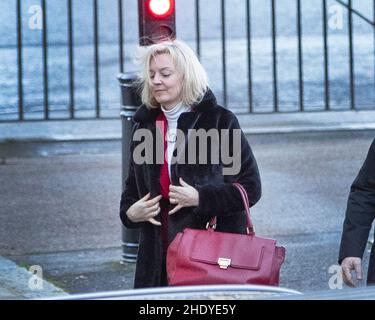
x: 172, y: 116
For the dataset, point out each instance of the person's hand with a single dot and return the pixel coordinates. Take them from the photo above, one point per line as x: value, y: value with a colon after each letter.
x: 145, y: 210
x: 349, y: 264
x: 184, y: 196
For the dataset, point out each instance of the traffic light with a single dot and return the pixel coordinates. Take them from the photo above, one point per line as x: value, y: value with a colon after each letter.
x: 157, y: 21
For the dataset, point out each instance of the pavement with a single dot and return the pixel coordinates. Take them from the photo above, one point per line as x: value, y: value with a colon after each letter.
x: 61, y: 184
x: 17, y: 282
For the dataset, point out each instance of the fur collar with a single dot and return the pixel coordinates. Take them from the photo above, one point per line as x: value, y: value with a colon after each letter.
x: 144, y: 114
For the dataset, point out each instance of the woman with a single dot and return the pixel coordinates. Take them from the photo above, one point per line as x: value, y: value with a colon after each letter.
x: 164, y: 197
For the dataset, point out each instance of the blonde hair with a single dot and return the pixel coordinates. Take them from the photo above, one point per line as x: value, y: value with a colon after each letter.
x: 195, y: 80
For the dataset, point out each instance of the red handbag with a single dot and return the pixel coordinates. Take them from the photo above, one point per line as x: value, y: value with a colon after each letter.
x: 201, y: 257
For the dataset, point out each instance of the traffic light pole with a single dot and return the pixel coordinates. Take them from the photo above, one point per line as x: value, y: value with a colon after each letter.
x: 130, y: 102
x: 157, y: 22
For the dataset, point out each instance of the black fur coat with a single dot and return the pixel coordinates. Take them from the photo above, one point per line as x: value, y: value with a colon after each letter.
x: 217, y: 196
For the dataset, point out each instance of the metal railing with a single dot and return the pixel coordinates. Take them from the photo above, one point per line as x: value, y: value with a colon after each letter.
x: 98, y: 106
x: 71, y: 106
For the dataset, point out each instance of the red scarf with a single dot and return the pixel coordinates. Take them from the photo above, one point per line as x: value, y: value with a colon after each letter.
x: 162, y: 125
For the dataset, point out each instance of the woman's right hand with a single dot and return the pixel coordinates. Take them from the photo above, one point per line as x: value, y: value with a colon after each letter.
x: 348, y: 265
x: 145, y: 210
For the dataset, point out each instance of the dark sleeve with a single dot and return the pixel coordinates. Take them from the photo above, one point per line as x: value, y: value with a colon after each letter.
x: 224, y: 198
x: 130, y: 194
x: 360, y: 212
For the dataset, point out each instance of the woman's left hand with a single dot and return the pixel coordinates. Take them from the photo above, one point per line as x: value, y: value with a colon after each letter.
x: 184, y: 196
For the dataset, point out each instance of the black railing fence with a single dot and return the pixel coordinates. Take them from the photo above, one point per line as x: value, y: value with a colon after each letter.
x: 261, y: 56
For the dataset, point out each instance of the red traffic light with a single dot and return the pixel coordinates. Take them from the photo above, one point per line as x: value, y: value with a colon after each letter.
x: 160, y: 8
x: 157, y: 21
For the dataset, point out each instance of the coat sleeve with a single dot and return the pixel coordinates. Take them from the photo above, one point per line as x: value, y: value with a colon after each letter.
x: 130, y: 194
x: 224, y: 199
x: 360, y: 212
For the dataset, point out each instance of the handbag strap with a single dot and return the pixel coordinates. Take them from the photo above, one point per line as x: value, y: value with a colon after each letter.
x: 245, y: 200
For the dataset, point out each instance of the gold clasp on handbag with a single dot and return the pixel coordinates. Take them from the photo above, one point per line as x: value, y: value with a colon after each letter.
x: 224, y: 263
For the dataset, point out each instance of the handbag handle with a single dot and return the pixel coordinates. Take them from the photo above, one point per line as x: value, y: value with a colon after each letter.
x: 249, y: 225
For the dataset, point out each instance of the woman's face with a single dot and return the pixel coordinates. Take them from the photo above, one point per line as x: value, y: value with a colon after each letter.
x: 166, y: 81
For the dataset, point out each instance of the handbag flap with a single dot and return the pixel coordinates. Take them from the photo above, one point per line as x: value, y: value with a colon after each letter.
x: 244, y: 251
